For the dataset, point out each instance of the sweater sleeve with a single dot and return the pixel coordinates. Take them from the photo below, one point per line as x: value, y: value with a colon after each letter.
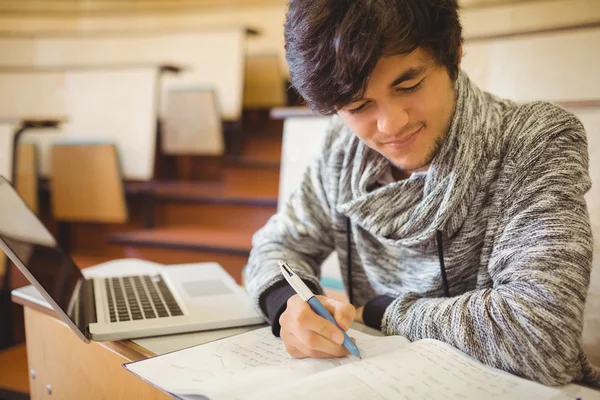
x: 530, y: 321
x: 300, y: 234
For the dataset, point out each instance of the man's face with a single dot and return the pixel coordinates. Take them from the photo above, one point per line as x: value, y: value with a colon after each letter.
x: 406, y: 110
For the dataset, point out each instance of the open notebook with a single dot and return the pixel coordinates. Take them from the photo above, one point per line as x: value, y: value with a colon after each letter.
x: 255, y: 365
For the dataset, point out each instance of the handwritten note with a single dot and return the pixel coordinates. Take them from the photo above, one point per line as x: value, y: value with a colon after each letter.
x: 255, y: 360
x: 255, y: 365
x: 426, y: 369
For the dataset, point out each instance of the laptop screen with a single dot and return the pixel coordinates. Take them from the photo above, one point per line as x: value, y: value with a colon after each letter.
x: 36, y: 249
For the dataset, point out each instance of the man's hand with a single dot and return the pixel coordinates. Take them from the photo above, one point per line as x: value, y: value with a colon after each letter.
x: 358, y: 317
x: 306, y: 334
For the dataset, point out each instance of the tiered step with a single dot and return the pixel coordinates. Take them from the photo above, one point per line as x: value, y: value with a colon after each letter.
x: 240, y: 185
x: 198, y: 222
x: 14, y: 374
x: 190, y: 221
x: 246, y: 197
x: 259, y: 152
x: 175, y: 245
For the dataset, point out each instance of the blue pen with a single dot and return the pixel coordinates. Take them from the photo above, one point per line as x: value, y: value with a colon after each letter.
x: 314, y: 303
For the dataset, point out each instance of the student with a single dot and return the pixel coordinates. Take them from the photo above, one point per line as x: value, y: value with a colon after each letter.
x: 465, y: 213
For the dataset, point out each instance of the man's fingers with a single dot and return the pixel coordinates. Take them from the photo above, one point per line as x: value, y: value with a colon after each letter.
x: 307, y: 334
x: 342, y: 312
x: 290, y: 344
x: 294, y: 352
x: 313, y: 341
x: 297, y: 349
x: 307, y: 319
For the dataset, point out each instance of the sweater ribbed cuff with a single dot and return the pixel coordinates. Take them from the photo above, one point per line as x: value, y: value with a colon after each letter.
x: 374, y: 310
x: 273, y: 302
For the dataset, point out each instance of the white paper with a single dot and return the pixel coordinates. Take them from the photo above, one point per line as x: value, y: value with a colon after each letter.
x: 254, y: 361
x: 255, y: 365
x: 427, y: 370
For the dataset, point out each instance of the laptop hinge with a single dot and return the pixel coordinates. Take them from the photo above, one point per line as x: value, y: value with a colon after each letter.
x: 87, y: 305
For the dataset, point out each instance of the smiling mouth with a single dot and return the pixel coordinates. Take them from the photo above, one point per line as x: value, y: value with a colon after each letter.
x: 405, y: 139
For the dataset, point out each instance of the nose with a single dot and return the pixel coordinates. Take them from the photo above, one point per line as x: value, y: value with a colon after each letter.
x: 392, y: 120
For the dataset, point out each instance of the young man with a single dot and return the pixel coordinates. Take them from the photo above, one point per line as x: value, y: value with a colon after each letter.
x: 463, y: 213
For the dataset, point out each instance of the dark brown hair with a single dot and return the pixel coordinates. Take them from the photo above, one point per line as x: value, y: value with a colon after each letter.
x: 332, y: 46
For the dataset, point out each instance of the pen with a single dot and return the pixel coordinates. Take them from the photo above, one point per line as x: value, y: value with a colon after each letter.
x: 304, y: 292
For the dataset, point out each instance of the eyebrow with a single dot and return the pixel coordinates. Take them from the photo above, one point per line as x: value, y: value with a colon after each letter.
x: 407, y: 75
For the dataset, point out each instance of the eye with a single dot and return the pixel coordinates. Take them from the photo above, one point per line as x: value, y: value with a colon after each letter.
x: 358, y: 109
x: 410, y: 89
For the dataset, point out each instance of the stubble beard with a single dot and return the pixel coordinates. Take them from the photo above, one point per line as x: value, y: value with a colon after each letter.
x: 433, y: 151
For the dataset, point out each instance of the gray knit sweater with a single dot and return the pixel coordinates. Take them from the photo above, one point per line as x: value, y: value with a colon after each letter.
x: 506, y: 191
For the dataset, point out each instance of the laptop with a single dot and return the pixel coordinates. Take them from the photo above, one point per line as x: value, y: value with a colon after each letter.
x: 174, y: 299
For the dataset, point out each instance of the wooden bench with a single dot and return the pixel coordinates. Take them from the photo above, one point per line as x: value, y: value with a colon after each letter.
x: 196, y: 50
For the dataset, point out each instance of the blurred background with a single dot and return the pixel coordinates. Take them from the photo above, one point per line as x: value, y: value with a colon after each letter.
x: 167, y: 130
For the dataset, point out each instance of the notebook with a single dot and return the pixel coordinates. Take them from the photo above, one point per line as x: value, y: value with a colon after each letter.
x: 255, y: 365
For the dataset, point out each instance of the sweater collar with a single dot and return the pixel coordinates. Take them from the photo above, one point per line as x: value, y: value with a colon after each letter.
x: 409, y: 212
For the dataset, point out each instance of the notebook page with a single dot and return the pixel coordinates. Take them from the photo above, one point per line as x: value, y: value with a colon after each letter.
x: 236, y: 366
x: 426, y: 369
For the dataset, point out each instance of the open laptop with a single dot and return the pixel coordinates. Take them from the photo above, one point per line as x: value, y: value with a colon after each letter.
x: 176, y: 299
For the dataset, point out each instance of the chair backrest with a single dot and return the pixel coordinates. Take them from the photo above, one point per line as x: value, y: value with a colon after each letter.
x: 303, y: 138
x: 192, y: 124
x: 86, y: 184
x: 264, y: 85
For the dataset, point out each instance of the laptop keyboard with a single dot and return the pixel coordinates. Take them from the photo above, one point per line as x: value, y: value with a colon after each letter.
x: 139, y: 297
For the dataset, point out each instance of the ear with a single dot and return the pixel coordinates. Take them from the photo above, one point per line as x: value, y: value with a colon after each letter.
x: 460, y: 54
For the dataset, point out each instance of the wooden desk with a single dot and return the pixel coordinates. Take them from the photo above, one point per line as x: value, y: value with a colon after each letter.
x: 73, y: 369
x: 64, y: 367
x: 76, y: 370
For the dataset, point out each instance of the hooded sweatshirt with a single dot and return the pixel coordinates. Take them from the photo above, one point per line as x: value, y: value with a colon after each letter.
x: 501, y: 205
